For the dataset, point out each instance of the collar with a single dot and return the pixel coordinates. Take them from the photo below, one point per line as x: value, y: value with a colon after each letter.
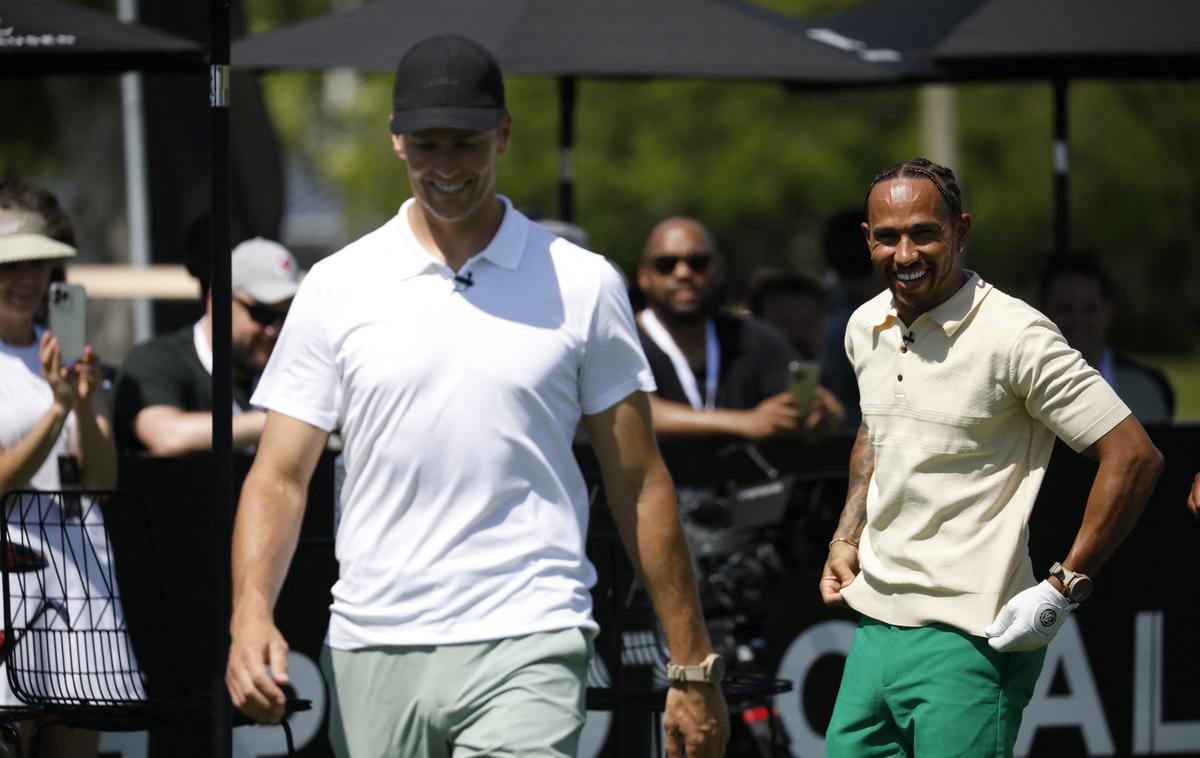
x: 505, y: 249
x: 951, y: 314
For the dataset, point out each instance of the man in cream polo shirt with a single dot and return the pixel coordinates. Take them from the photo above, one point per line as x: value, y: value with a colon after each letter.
x: 963, y: 389
x: 457, y: 348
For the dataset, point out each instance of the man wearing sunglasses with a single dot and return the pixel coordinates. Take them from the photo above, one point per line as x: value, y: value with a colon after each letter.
x: 717, y: 373
x: 163, y: 398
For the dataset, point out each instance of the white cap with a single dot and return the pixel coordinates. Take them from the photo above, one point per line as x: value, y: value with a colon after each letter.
x: 23, y: 238
x: 265, y: 271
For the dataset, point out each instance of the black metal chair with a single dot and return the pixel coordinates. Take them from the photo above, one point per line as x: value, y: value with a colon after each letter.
x: 87, y: 639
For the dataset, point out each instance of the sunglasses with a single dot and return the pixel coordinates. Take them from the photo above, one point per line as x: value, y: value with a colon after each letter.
x: 697, y: 262
x: 265, y: 315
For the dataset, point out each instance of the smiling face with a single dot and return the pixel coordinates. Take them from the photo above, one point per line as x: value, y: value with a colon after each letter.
x: 453, y: 171
x: 23, y: 287
x: 916, y: 244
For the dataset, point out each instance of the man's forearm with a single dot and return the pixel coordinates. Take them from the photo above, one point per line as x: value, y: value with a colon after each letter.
x: 672, y: 418
x: 659, y: 551
x: 862, y: 465
x: 1129, y: 468
x: 264, y: 539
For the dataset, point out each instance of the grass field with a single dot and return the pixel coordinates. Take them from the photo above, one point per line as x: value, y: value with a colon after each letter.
x: 1184, y: 374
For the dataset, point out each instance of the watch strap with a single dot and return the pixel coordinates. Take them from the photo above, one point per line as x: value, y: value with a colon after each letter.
x: 706, y: 671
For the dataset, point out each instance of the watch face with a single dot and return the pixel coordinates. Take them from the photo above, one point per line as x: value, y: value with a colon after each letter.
x: 718, y: 670
x: 1080, y: 589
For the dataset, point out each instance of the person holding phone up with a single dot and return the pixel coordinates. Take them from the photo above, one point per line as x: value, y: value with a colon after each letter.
x: 718, y: 373
x: 50, y: 431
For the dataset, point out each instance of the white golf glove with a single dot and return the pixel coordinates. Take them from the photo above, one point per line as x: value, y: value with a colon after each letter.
x: 1030, y: 620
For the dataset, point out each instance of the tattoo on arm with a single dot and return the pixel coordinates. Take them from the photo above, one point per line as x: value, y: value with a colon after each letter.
x: 862, y: 465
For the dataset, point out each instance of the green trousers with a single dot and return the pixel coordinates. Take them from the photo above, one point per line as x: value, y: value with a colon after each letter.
x: 521, y: 696
x: 929, y: 692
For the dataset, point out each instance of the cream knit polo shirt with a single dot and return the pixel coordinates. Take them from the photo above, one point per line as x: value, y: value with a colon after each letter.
x: 962, y: 417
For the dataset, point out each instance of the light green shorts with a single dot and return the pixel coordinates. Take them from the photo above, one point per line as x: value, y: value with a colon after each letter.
x: 522, y: 696
x: 930, y: 692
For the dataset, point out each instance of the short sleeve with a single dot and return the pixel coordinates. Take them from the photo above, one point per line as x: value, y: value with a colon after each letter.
x: 1060, y: 389
x: 614, y: 365
x: 301, y: 378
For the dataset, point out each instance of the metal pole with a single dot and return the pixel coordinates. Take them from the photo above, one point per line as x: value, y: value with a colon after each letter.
x: 221, y: 745
x: 566, y: 147
x: 136, y: 193
x: 1061, y: 170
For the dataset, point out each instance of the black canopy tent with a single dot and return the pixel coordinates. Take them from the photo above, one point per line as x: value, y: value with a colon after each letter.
x: 975, y: 40
x: 52, y: 37
x: 714, y: 39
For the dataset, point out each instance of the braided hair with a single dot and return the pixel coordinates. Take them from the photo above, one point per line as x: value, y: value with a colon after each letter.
x: 942, y: 178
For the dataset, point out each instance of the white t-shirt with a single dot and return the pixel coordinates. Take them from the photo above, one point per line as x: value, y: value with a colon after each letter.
x: 463, y: 511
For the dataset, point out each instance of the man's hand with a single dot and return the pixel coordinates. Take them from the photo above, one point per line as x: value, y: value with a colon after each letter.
x: 257, y: 667
x: 696, y: 721
x: 825, y: 415
x: 777, y: 414
x: 1193, y: 501
x: 1030, y: 619
x: 840, y: 569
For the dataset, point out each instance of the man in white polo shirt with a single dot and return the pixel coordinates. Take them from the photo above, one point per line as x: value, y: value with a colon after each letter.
x: 963, y: 389
x: 457, y: 348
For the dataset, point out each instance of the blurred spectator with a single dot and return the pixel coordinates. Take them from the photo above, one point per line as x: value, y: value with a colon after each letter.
x: 1193, y: 501
x: 1078, y: 295
x: 855, y: 283
x: 51, y: 434
x: 163, y: 399
x: 716, y: 373
x: 794, y: 304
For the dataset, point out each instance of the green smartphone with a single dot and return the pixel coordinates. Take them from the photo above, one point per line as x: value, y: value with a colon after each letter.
x: 803, y: 377
x: 68, y: 307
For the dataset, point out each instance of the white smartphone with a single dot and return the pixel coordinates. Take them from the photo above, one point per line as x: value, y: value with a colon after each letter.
x: 68, y: 311
x: 802, y: 381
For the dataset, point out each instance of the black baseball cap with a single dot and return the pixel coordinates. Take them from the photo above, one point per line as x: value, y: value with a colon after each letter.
x: 447, y: 82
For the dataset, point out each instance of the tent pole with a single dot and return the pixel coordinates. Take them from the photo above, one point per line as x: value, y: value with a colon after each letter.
x: 1061, y: 169
x: 566, y: 147
x: 221, y: 745
x: 137, y: 194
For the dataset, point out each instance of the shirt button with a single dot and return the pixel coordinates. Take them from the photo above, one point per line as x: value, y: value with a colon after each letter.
x: 899, y: 377
x: 904, y: 348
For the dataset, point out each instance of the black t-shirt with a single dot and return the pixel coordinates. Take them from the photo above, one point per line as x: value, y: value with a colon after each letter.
x: 754, y: 363
x: 163, y: 371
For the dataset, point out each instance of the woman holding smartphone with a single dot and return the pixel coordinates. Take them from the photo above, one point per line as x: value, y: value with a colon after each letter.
x: 49, y: 428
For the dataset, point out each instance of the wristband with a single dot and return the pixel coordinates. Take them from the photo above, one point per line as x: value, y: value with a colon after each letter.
x: 847, y: 540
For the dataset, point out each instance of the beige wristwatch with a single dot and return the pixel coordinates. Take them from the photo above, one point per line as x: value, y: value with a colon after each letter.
x: 1077, y: 585
x: 709, y: 671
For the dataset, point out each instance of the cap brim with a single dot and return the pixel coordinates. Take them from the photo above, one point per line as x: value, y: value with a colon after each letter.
x: 26, y: 246
x: 270, y: 293
x: 472, y: 119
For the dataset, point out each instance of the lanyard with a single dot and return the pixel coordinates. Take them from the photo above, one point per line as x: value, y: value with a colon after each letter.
x: 687, y: 379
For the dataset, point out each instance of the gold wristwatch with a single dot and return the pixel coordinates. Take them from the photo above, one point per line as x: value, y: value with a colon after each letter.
x: 709, y: 671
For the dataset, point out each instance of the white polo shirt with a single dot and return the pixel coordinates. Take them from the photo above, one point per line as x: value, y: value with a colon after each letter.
x: 962, y: 419
x: 464, y: 512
